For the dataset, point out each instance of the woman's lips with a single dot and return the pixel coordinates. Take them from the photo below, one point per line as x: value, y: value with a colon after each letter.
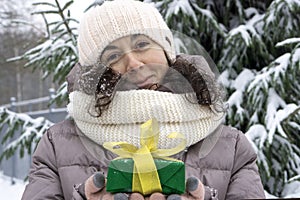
x: 146, y: 83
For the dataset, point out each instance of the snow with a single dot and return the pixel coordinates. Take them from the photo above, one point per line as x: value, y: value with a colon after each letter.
x: 30, y: 126
x: 180, y: 46
x: 224, y: 78
x: 288, y: 41
x: 274, y: 102
x: 9, y: 191
x: 281, y: 64
x: 272, y: 15
x: 296, y: 55
x: 255, y: 132
x: 183, y: 6
x: 256, y: 20
x: 240, y: 84
x: 243, y: 31
x: 243, y: 79
x: 292, y: 190
x: 258, y: 133
x: 284, y: 7
x: 286, y: 111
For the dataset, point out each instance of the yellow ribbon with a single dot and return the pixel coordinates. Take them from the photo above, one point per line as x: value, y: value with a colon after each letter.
x: 145, y: 177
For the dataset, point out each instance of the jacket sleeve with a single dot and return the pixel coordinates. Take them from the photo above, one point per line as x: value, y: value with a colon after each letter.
x: 44, y: 181
x: 245, y: 180
x: 43, y: 177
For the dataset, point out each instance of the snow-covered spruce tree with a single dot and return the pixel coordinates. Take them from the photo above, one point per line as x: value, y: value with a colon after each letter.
x: 55, y: 54
x: 265, y: 96
x: 255, y: 45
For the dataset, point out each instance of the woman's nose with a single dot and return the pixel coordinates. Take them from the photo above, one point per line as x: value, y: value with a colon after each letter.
x: 133, y: 62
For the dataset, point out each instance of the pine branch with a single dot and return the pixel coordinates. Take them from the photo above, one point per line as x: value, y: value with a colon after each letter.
x: 61, y: 14
x: 30, y: 131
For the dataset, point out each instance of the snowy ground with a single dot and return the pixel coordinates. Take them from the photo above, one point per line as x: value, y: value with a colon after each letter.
x: 9, y: 191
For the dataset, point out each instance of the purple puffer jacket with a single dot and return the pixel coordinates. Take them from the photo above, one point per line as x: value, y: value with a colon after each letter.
x: 65, y: 158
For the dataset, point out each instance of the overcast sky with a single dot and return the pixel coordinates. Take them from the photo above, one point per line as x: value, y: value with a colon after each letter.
x: 77, y: 8
x: 22, y: 10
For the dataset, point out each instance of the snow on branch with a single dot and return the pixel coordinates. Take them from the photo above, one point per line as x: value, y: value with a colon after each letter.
x: 180, y: 5
x: 236, y: 98
x: 296, y: 56
x: 276, y: 68
x: 288, y: 41
x: 245, y: 32
x: 257, y: 135
x: 239, y: 43
x: 282, y: 15
x: 31, y: 130
x: 210, y: 18
x: 275, y: 116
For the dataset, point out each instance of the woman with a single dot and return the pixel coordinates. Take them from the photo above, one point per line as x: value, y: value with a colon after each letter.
x: 127, y: 74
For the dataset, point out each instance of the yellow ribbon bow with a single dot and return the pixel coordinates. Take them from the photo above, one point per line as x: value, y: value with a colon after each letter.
x: 145, y: 177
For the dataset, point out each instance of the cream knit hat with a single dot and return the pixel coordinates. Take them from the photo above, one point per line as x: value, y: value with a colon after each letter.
x: 103, y: 24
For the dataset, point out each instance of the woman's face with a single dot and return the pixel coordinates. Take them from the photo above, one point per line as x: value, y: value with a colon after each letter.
x: 138, y: 58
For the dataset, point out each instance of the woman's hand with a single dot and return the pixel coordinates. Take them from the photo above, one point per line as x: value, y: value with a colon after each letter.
x: 194, y: 191
x: 94, y: 189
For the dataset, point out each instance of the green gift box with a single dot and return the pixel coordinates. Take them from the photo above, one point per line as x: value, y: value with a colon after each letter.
x: 171, y: 176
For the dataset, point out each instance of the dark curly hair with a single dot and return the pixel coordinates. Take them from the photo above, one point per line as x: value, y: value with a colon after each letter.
x: 105, y: 89
x: 208, y: 91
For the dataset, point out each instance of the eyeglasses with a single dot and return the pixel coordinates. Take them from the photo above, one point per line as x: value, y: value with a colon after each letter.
x: 137, y: 45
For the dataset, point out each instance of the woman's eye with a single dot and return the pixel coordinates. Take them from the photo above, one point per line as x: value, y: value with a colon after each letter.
x: 142, y: 45
x: 113, y: 57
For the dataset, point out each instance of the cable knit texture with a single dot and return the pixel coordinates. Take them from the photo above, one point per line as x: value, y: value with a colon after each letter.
x: 129, y: 109
x: 112, y: 20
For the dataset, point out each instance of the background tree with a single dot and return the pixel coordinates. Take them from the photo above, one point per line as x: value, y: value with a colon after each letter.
x: 256, y: 46
x: 14, y: 39
x: 53, y: 55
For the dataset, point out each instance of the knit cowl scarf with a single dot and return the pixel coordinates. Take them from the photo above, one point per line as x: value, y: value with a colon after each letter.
x: 129, y: 109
